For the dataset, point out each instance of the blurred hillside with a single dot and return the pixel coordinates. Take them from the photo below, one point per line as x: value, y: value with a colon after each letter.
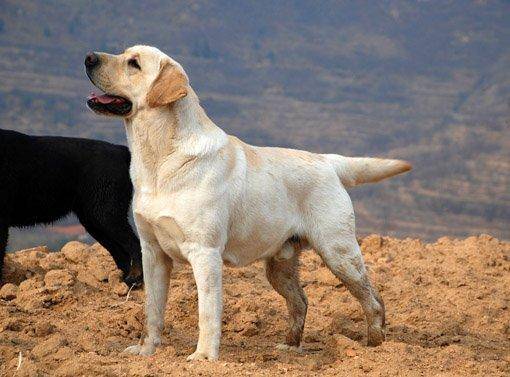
x: 425, y: 81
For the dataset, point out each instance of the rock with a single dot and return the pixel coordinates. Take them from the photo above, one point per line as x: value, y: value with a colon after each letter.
x: 121, y: 289
x: 372, y: 242
x: 49, y: 346
x: 58, y: 278
x: 33, y: 300
x: 250, y: 329
x: 32, y: 294
x: 35, y: 252
x: 8, y: 292
x: 116, y: 283
x: 99, y: 250
x: 30, y: 284
x: 115, y: 277
x: 39, y: 252
x: 76, y: 252
x: 350, y: 352
x: 87, y: 278
x: 44, y: 329
x: 343, y: 345
x: 99, y: 268
x: 53, y: 261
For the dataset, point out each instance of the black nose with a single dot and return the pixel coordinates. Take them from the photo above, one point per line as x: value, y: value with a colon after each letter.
x: 91, y: 60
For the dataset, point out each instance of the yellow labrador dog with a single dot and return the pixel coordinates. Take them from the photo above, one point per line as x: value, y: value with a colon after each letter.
x: 206, y: 198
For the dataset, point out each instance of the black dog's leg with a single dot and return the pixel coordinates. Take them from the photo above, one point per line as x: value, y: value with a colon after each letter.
x: 4, y: 235
x: 128, y: 241
x: 122, y: 244
x: 120, y: 258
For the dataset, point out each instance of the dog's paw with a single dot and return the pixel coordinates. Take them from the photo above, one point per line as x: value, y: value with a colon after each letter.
x: 201, y: 356
x: 143, y: 350
x: 287, y: 348
x: 133, y: 281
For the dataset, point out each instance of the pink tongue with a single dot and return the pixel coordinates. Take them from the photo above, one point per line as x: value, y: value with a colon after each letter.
x: 105, y: 99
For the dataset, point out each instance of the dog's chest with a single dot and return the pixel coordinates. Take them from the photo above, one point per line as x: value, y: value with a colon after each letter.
x: 157, y: 224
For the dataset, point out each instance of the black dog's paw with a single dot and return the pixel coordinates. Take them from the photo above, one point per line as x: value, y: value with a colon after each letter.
x: 134, y: 281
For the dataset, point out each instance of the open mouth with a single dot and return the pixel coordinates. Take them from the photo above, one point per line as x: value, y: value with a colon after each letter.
x: 109, y: 104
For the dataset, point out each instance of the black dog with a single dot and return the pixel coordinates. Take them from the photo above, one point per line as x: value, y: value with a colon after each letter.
x: 43, y: 179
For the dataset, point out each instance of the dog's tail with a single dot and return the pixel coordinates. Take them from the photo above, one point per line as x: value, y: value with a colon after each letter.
x: 354, y: 171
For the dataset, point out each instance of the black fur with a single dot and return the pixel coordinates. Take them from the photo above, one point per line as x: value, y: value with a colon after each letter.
x: 44, y: 178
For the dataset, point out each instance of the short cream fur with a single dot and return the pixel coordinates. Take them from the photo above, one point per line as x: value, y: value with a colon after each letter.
x: 206, y: 198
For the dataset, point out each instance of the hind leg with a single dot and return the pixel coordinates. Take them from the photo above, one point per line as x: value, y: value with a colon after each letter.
x: 346, y: 263
x: 4, y: 234
x: 283, y: 276
x: 332, y: 235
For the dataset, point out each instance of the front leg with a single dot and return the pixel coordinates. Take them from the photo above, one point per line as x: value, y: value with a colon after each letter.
x: 156, y: 274
x: 207, y: 267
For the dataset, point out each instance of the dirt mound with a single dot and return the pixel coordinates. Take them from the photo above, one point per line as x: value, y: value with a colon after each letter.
x: 67, y: 313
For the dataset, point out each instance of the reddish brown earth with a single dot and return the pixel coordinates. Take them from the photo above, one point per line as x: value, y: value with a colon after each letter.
x: 68, y: 314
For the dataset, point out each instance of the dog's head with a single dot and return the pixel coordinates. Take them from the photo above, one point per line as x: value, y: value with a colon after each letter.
x: 141, y: 77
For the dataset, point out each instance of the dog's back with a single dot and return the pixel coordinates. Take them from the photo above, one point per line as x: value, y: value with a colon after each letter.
x: 42, y: 175
x: 44, y: 178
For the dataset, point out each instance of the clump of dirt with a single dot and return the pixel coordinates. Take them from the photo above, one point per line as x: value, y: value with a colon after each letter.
x: 68, y: 313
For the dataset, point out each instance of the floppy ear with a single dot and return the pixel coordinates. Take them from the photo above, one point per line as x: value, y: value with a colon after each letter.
x: 169, y: 86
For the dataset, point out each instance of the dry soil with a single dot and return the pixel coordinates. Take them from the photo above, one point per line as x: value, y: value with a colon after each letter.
x: 67, y: 313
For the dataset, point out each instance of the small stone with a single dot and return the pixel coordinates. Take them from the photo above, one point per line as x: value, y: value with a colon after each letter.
x: 98, y: 269
x: 99, y: 250
x: 30, y: 284
x: 250, y: 330
x: 76, y: 251
x: 115, y: 277
x: 121, y: 289
x: 8, y: 292
x: 341, y: 343
x: 44, y: 329
x: 53, y: 261
x: 87, y: 278
x: 350, y: 352
x: 58, y: 278
x: 39, y: 252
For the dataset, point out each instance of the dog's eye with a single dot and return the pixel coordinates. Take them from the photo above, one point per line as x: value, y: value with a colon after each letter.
x: 133, y: 63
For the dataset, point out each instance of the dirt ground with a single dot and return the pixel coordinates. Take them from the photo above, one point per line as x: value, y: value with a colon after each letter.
x: 67, y: 314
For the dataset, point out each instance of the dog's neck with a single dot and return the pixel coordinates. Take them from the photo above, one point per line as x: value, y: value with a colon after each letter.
x: 182, y: 128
